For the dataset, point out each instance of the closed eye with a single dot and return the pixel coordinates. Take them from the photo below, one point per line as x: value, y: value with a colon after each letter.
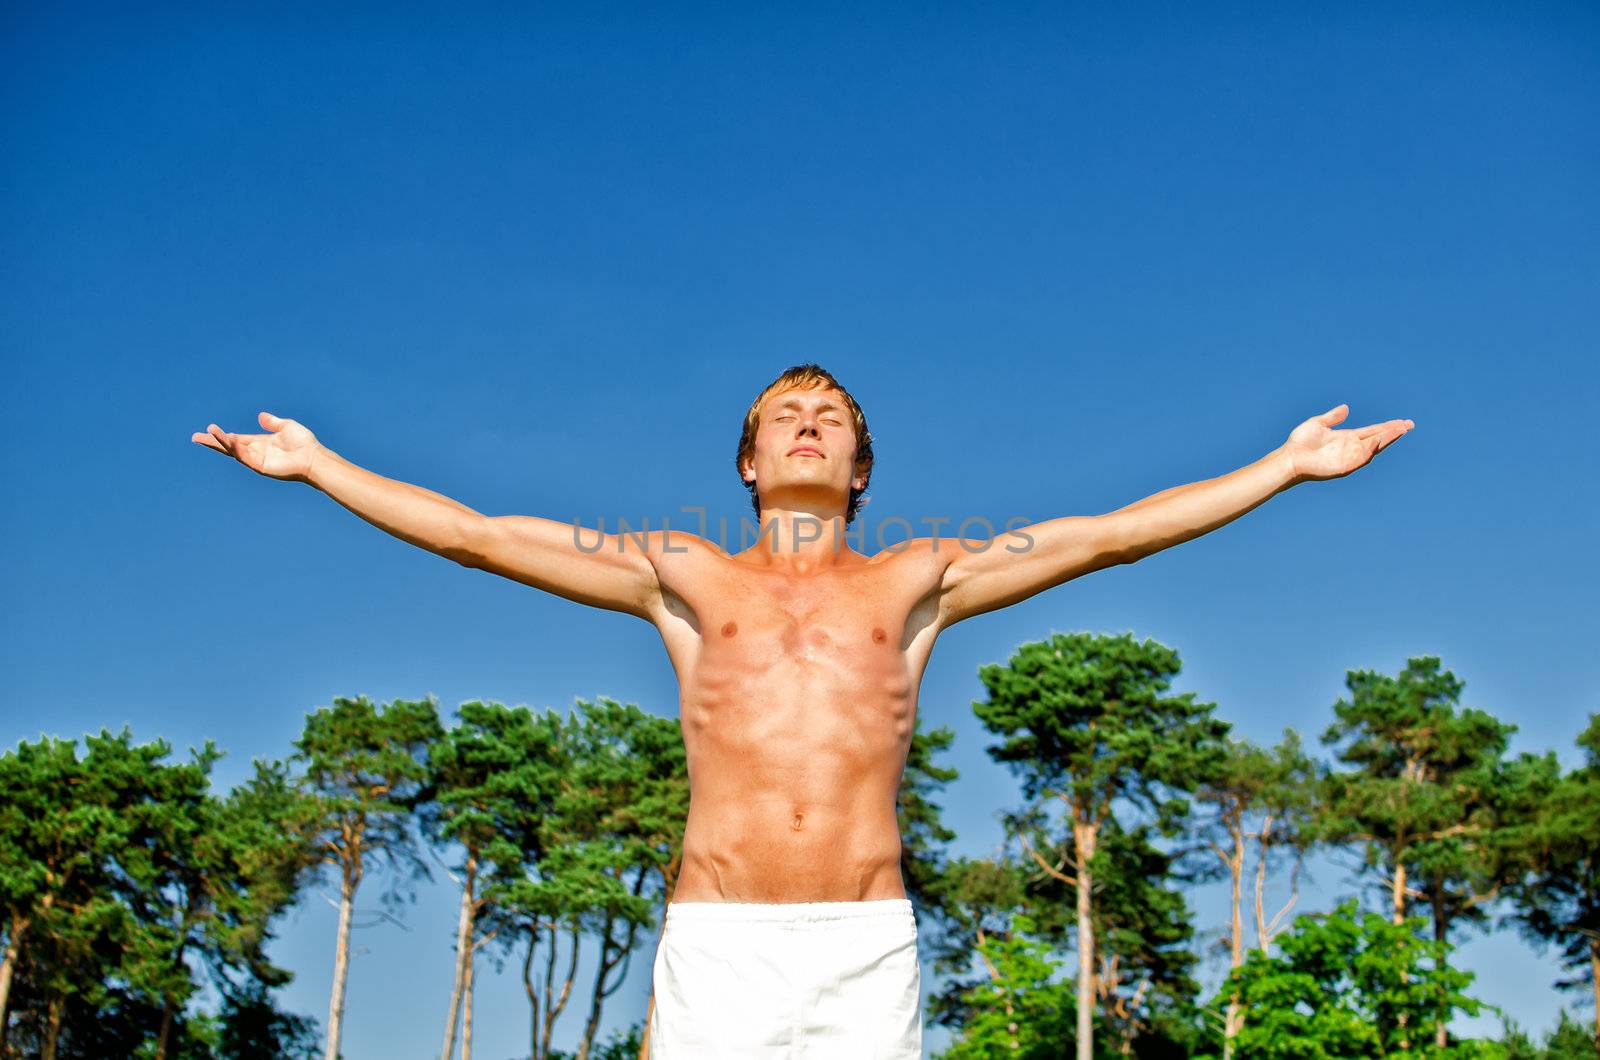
x: 786, y: 418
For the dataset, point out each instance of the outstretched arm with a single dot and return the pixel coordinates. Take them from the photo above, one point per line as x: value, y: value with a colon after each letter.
x: 542, y: 553
x: 1025, y: 562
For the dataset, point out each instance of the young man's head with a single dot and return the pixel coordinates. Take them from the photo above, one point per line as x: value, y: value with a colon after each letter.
x: 804, y: 409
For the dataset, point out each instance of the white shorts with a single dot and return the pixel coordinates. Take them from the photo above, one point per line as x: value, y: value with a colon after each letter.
x: 835, y: 980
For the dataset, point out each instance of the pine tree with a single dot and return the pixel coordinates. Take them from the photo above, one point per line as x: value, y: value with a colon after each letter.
x: 364, y: 768
x: 1087, y: 725
x: 1421, y: 787
x: 1558, y: 902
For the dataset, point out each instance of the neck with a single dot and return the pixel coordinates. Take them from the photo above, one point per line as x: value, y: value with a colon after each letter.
x: 801, y: 540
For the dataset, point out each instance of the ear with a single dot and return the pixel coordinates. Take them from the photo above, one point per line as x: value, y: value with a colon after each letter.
x: 749, y: 472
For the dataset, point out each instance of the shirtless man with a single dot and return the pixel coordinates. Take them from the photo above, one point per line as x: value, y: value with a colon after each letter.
x: 798, y: 664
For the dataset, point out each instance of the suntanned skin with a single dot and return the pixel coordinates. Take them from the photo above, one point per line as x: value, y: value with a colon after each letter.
x: 799, y: 659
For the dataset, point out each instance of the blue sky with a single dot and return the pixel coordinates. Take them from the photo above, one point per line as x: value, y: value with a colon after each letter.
x: 541, y: 261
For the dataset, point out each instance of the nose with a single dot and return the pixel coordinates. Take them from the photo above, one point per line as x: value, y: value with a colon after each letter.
x: 808, y: 425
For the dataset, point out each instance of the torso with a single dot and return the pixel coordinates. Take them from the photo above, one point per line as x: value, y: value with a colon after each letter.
x: 798, y: 695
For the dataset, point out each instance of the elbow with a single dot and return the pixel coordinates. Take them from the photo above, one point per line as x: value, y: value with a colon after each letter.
x: 465, y: 544
x: 1119, y: 541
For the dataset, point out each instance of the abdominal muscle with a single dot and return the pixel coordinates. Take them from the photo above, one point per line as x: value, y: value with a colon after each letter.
x: 797, y: 812
x: 785, y: 850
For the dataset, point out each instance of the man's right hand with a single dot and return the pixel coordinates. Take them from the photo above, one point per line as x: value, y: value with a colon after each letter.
x: 286, y: 453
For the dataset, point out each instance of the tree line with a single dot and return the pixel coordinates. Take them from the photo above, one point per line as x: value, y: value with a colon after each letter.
x: 129, y: 885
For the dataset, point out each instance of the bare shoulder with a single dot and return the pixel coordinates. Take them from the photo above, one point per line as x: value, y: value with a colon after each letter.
x: 672, y: 550
x: 918, y: 563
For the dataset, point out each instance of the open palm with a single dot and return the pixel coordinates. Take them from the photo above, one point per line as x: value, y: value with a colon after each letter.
x: 1320, y: 452
x: 284, y: 454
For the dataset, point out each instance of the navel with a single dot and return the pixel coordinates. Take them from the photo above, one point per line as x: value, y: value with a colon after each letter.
x: 729, y: 629
x: 795, y: 824
x: 879, y: 635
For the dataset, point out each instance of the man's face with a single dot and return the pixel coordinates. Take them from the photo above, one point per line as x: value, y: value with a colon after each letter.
x: 805, y: 448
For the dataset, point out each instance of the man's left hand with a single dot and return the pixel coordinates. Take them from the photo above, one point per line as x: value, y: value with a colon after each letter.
x: 1316, y: 451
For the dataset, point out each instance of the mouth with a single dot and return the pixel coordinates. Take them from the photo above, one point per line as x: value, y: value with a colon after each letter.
x: 805, y: 450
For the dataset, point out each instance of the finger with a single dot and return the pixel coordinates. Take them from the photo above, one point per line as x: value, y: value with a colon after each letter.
x: 270, y: 422
x: 1386, y: 429
x: 224, y: 439
x: 1334, y: 415
x: 207, y: 442
x: 1387, y: 435
x: 1394, y: 429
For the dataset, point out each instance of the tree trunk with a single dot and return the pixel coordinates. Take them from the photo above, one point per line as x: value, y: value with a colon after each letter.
x: 341, y: 960
x: 1262, y: 941
x: 1399, y: 892
x: 168, y: 1009
x: 549, y: 992
x: 466, y: 1003
x: 611, y: 954
x: 603, y: 965
x: 52, y: 1029
x: 533, y: 995
x: 19, y: 926
x: 552, y: 1004
x: 1441, y: 927
x: 1234, y: 1019
x: 165, y: 1034
x: 1398, y: 896
x: 463, y: 933
x: 1084, y: 835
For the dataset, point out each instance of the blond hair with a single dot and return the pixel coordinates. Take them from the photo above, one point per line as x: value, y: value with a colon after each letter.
x: 808, y: 377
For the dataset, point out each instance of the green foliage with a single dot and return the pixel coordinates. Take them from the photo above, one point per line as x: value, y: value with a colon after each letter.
x: 1558, y: 902
x: 122, y: 872
x: 252, y: 1027
x: 1086, y: 720
x: 1020, y: 1008
x: 923, y: 834
x: 621, y: 812
x: 1568, y: 1040
x: 1350, y: 985
x: 124, y: 878
x: 578, y: 820
x: 609, y: 796
x: 1088, y: 726
x: 977, y: 897
x: 1422, y: 794
x: 491, y: 775
x: 623, y: 1044
x: 364, y: 768
x: 1144, y: 929
x: 1265, y: 797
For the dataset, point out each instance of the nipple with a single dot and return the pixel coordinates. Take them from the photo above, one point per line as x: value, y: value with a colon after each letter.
x: 729, y: 629
x: 879, y: 635
x: 794, y: 825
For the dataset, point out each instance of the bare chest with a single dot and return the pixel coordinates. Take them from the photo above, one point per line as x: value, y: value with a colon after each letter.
x: 863, y: 630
